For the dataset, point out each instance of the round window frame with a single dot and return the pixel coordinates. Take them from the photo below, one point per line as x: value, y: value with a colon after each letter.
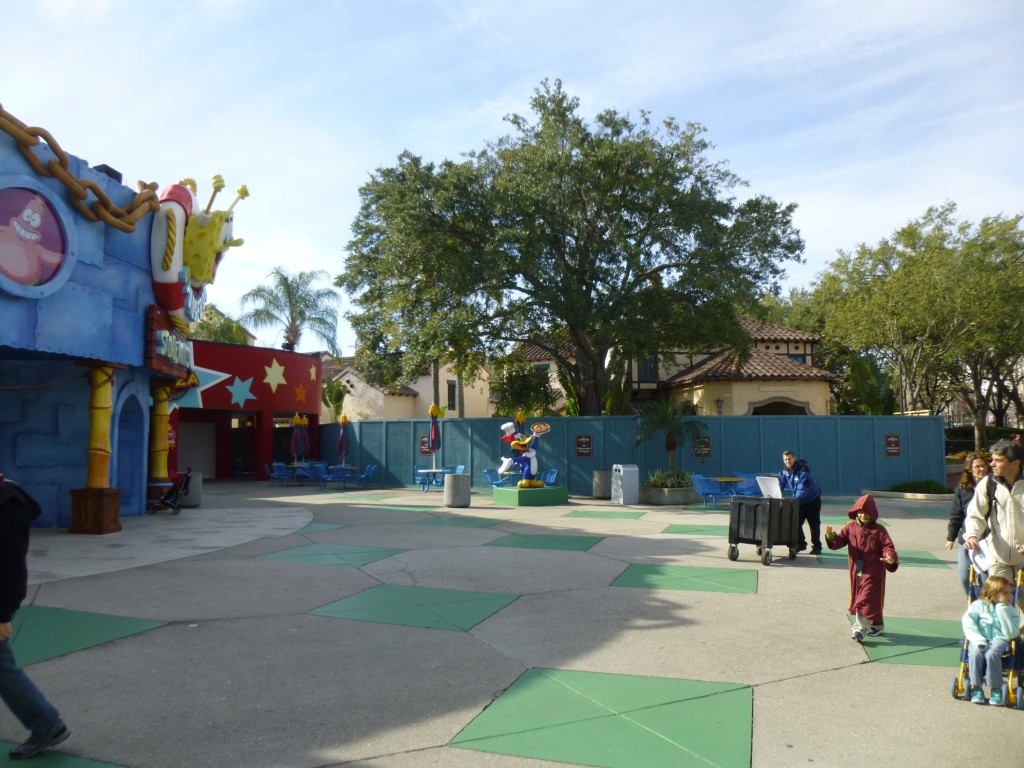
x: 64, y: 215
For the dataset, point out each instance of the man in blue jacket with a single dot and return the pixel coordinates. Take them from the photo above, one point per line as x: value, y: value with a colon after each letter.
x: 798, y: 478
x: 19, y: 693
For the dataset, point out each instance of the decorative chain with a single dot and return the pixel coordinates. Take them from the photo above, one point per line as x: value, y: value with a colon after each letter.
x: 144, y: 203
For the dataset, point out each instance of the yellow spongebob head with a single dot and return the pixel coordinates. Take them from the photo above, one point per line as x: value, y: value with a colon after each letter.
x: 208, y: 236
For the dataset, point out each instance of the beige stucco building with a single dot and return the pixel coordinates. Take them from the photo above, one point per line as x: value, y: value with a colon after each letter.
x: 367, y: 401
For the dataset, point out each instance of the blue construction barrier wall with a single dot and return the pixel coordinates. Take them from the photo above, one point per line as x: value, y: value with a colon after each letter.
x: 846, y: 453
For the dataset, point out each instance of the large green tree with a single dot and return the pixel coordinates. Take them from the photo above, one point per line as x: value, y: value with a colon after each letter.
x: 295, y: 303
x: 937, y: 303
x: 584, y: 239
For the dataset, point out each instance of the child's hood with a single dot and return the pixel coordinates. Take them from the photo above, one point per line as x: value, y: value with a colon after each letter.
x: 865, y: 504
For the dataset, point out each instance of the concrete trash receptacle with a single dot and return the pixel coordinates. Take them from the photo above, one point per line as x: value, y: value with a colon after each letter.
x: 625, y: 484
x: 456, y: 490
x: 195, y: 492
x: 601, y: 485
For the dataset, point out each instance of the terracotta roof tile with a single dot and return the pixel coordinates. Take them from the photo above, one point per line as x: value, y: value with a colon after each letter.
x: 759, y: 365
x: 767, y: 332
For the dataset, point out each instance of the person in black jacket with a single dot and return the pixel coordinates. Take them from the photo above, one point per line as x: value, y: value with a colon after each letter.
x: 975, y: 470
x: 17, y: 511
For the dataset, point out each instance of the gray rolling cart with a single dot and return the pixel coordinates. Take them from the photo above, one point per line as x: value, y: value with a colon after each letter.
x: 764, y: 522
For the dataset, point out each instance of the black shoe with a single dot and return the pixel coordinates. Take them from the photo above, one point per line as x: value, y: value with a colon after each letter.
x: 802, y: 547
x: 35, y: 745
x: 816, y: 549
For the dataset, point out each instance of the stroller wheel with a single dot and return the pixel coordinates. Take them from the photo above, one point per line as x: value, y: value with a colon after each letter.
x: 175, y: 511
x: 954, y: 686
x: 150, y: 509
x: 1020, y: 697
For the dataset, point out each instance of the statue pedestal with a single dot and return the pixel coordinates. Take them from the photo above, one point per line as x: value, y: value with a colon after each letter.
x: 95, y: 510
x: 548, y: 496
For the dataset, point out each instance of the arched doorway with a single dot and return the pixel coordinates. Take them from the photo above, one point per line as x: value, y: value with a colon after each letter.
x: 131, y: 454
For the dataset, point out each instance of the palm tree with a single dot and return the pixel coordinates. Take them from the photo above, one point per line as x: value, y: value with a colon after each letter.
x: 668, y: 417
x: 293, y: 301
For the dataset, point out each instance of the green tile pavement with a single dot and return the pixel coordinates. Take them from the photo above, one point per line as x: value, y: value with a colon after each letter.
x: 918, y: 642
x: 41, y: 633
x: 595, y: 515
x: 689, y: 578
x: 698, y: 530
x: 459, y: 521
x: 541, y: 541
x: 409, y: 606
x: 51, y: 759
x: 616, y: 721
x: 345, y: 555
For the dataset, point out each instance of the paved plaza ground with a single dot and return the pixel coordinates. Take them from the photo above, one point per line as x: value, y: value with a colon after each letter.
x: 297, y: 628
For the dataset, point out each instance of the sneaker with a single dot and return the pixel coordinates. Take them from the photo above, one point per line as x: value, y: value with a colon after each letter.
x: 996, y: 699
x: 875, y: 630
x: 978, y: 697
x: 857, y: 635
x: 35, y: 745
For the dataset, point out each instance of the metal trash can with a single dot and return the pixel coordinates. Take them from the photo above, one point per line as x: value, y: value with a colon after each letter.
x: 765, y: 522
x: 625, y: 484
x: 601, y: 484
x: 194, y: 497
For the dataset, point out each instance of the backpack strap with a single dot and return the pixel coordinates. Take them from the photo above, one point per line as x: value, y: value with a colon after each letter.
x: 990, y: 489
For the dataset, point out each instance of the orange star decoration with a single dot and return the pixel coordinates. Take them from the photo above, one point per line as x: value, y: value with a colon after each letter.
x: 300, y: 394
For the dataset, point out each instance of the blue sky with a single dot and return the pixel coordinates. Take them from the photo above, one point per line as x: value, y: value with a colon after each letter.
x: 863, y: 113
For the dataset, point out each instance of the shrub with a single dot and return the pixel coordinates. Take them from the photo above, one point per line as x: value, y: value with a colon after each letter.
x: 921, y: 486
x: 674, y: 478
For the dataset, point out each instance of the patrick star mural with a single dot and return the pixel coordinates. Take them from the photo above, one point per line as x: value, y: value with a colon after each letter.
x: 32, y: 243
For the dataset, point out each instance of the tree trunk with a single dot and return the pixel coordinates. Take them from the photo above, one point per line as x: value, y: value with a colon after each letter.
x: 435, y: 373
x: 460, y: 395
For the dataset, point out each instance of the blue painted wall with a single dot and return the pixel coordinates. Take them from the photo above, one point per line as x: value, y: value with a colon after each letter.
x: 97, y: 312
x: 846, y: 453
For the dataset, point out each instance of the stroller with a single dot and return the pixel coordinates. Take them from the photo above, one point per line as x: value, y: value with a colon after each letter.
x: 172, y: 499
x: 1013, y: 660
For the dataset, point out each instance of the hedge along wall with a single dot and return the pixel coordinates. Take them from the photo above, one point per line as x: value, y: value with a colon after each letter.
x: 847, y: 454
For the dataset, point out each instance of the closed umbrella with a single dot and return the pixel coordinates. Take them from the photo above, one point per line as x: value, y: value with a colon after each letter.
x: 344, y: 441
x: 434, y: 438
x: 300, y: 437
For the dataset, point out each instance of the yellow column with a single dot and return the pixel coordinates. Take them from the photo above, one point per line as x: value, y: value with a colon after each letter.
x: 158, y: 432
x: 101, y: 405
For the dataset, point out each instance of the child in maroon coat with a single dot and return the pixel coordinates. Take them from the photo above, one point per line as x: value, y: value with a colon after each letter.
x: 871, y: 554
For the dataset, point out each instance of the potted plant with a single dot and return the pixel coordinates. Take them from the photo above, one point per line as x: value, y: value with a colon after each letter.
x: 668, y: 487
x: 665, y: 416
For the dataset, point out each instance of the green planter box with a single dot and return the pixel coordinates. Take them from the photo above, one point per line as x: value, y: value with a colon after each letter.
x: 532, y: 497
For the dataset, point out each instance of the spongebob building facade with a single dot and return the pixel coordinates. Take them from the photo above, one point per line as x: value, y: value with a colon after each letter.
x: 98, y: 286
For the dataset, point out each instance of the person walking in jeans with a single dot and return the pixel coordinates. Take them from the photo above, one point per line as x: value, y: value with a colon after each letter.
x: 798, y: 478
x: 19, y: 693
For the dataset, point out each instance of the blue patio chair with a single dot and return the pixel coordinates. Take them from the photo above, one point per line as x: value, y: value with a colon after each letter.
x: 275, y: 475
x: 280, y: 472
x: 318, y: 472
x: 549, y: 476
x: 439, y: 477
x: 339, y: 474
x: 709, y: 488
x: 421, y: 478
x: 368, y: 473
x: 496, y: 480
x: 748, y: 487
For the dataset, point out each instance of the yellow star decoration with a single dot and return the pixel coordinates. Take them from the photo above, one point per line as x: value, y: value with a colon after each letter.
x: 275, y: 375
x: 300, y: 393
x: 312, y: 373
